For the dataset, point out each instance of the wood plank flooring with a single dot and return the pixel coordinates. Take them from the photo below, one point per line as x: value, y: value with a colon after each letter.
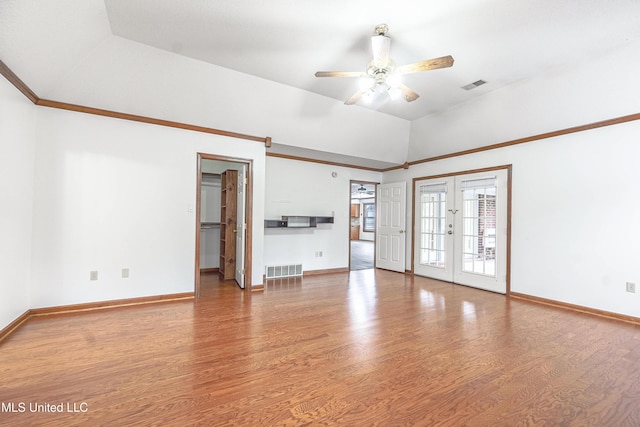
x: 361, y: 348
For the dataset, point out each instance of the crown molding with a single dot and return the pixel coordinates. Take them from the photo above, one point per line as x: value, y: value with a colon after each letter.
x: 19, y: 84
x: 22, y: 87
x: 143, y: 119
x: 324, y: 162
x: 567, y: 131
x: 31, y: 95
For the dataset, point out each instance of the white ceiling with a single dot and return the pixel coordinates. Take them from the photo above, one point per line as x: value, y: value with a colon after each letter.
x: 286, y: 41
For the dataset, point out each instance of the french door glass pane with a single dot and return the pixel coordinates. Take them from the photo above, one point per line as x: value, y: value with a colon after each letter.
x: 479, y: 228
x: 433, y: 231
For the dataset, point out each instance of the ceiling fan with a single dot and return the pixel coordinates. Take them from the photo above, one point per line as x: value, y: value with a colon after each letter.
x: 382, y: 74
x: 362, y: 191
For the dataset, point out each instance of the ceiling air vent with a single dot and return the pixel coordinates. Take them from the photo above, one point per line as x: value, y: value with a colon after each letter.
x: 473, y: 85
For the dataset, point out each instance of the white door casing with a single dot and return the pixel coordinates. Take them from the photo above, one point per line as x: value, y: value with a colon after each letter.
x: 241, y: 227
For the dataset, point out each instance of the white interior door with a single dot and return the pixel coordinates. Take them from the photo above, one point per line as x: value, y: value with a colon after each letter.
x: 390, y: 227
x: 241, y: 226
x: 461, y: 229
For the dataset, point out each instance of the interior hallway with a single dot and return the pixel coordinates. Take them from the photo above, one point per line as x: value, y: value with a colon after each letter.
x: 362, y: 254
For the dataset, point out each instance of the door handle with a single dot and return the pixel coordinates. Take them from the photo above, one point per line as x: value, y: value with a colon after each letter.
x: 401, y: 231
x: 450, y: 232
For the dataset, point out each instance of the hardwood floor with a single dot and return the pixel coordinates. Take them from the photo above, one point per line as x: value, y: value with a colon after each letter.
x: 361, y: 348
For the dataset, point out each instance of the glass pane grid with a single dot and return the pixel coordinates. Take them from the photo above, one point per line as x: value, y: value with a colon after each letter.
x: 432, y: 242
x: 479, y: 226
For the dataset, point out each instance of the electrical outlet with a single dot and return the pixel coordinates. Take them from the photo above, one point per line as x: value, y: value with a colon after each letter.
x: 125, y: 273
x: 631, y: 287
x: 93, y: 275
x: 318, y: 253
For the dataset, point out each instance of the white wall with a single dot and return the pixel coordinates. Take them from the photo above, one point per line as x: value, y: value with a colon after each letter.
x: 17, y: 121
x: 604, y: 88
x: 302, y: 188
x: 190, y: 91
x: 112, y: 194
x: 575, y: 214
x: 210, y: 196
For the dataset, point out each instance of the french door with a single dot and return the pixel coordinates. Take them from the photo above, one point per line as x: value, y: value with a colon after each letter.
x: 461, y: 229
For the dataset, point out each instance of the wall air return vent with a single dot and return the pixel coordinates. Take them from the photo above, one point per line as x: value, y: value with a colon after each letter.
x: 278, y: 271
x: 473, y: 85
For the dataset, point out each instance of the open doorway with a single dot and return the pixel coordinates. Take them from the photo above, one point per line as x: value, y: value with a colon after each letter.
x: 362, y: 230
x: 223, y: 225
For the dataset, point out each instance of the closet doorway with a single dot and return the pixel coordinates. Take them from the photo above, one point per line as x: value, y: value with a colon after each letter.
x: 223, y: 221
x: 362, y: 230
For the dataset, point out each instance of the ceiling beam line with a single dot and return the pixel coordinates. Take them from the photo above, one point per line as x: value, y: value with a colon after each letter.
x: 17, y: 82
x: 143, y: 119
x: 31, y: 95
x: 323, y: 162
x: 581, y: 128
x: 22, y: 87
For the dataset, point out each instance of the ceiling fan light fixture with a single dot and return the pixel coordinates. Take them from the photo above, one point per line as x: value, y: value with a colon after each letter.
x: 381, y: 29
x: 366, y: 82
x: 382, y: 77
x: 380, y: 46
x: 394, y: 80
x: 395, y: 93
x: 367, y: 97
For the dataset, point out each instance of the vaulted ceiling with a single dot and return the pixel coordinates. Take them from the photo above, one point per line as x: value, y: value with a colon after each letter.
x: 117, y: 54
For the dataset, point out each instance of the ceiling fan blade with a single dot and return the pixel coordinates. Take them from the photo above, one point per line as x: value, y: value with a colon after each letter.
x: 338, y: 73
x: 408, y: 94
x: 380, y: 46
x: 429, y: 64
x: 354, y: 98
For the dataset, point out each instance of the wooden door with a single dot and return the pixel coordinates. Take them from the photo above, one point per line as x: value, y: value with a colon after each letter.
x: 228, y: 223
x: 355, y: 210
x: 355, y: 232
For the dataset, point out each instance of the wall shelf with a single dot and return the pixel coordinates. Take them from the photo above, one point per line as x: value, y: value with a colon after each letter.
x: 290, y: 221
x: 208, y: 225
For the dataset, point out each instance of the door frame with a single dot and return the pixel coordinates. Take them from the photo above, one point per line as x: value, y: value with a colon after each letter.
x: 375, y: 237
x: 509, y: 169
x: 248, y: 217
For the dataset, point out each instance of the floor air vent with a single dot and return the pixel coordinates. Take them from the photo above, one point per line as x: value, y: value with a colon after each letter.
x: 277, y: 271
